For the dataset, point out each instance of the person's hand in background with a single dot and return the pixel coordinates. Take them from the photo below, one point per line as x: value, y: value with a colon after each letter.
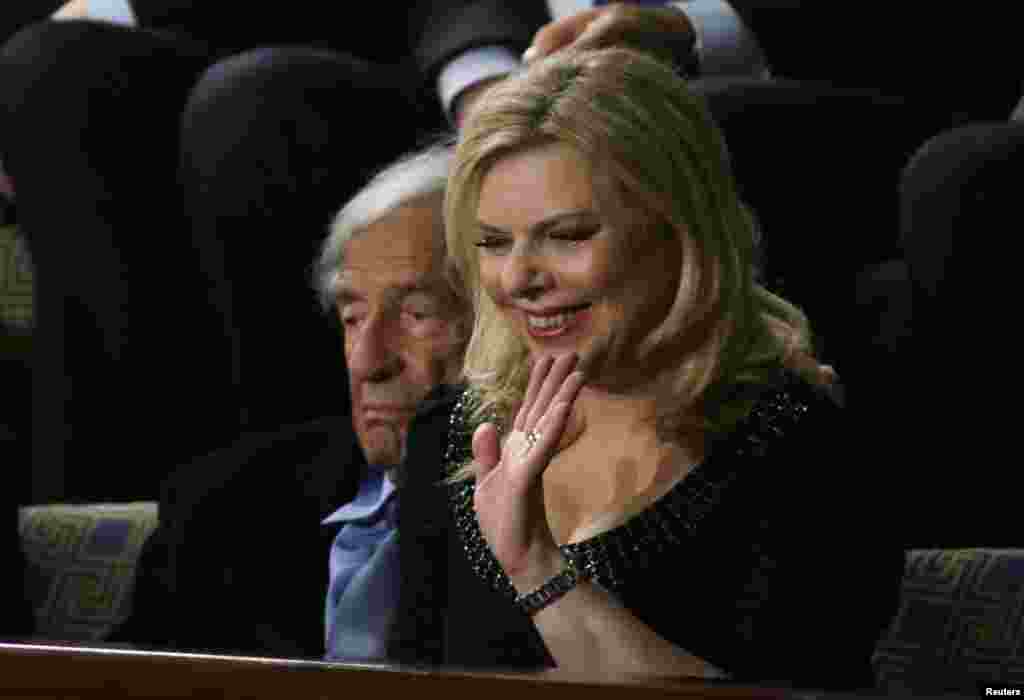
x: 468, y: 97
x: 663, y: 32
x: 73, y: 9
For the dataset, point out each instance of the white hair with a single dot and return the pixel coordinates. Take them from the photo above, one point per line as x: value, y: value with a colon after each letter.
x: 414, y: 176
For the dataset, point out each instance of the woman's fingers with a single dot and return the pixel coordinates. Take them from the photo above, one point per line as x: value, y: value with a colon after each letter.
x: 537, y: 375
x: 553, y: 421
x: 486, y: 449
x: 570, y: 388
x: 548, y: 431
x: 560, y: 369
x: 541, y: 420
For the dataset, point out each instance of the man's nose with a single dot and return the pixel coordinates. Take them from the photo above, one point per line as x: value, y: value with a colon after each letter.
x: 376, y: 353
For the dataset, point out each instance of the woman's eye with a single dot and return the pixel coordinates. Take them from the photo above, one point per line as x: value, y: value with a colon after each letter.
x: 423, y: 323
x: 573, y: 235
x: 491, y: 242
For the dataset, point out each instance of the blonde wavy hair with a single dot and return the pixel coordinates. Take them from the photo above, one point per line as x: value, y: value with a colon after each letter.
x: 658, y: 161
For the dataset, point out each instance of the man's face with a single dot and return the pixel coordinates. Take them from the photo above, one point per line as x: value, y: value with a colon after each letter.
x: 401, y: 325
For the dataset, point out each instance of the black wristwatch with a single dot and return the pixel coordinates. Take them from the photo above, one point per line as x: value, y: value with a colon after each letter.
x: 554, y: 588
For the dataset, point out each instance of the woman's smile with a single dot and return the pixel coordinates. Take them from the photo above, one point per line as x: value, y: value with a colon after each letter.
x: 556, y: 323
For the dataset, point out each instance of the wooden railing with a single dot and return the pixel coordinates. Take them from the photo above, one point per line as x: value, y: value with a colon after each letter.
x: 62, y: 672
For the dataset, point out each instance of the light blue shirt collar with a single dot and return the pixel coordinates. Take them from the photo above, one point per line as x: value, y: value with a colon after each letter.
x: 374, y: 491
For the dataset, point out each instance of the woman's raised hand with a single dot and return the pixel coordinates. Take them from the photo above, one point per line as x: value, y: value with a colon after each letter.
x: 509, y: 498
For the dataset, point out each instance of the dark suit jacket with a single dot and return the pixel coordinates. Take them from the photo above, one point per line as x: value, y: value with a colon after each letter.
x: 20, y: 13
x: 238, y: 563
x: 15, y: 613
x: 963, y: 59
x: 426, y: 35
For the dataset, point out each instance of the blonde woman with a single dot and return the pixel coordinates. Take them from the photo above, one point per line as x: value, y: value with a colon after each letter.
x: 645, y: 451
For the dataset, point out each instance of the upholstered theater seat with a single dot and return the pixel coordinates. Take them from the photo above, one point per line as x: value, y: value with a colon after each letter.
x: 958, y: 625
x: 81, y: 565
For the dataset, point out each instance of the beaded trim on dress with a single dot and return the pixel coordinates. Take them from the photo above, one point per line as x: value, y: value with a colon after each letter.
x: 665, y: 523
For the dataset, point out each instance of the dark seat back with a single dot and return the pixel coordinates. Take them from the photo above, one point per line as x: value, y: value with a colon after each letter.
x: 952, y: 406
x: 820, y: 167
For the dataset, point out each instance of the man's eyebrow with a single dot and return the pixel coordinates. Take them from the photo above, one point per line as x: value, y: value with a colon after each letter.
x: 348, y: 295
x: 544, y: 224
x: 428, y: 287
x: 420, y: 286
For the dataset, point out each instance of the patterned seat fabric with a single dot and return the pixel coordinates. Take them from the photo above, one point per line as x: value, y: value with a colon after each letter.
x: 81, y: 565
x: 15, y: 279
x: 959, y: 623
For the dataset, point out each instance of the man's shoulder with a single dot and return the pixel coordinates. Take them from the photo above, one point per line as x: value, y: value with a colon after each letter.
x: 434, y: 418
x: 311, y: 462
x: 440, y: 401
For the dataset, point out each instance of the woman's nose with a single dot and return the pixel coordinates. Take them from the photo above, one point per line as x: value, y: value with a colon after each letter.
x: 525, y: 275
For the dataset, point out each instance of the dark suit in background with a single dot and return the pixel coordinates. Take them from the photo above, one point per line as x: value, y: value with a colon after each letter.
x: 238, y: 563
x: 20, y: 13
x: 965, y: 60
x: 174, y: 182
x: 15, y: 611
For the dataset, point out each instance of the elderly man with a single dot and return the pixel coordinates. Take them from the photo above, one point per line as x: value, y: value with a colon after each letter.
x: 404, y: 327
x: 239, y: 561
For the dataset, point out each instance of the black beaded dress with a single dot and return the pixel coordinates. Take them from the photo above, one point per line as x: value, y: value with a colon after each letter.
x: 767, y: 559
